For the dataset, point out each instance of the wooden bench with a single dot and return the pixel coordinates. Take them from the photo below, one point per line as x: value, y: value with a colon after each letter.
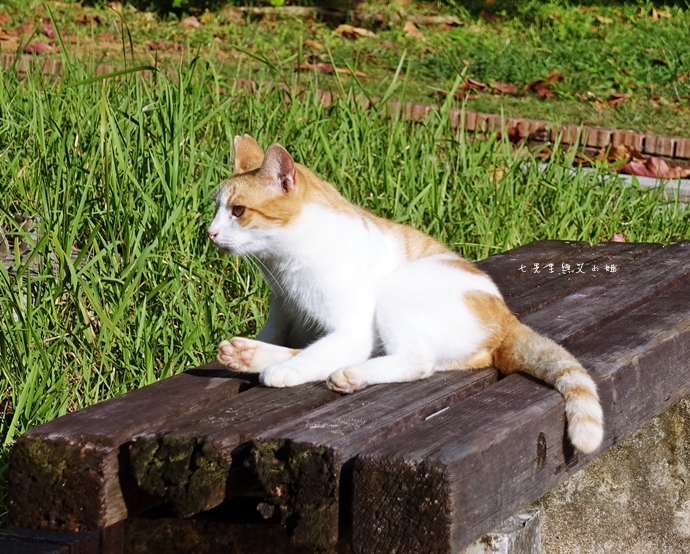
x: 420, y: 467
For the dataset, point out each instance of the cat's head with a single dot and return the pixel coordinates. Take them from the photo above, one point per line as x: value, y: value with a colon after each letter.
x: 262, y: 197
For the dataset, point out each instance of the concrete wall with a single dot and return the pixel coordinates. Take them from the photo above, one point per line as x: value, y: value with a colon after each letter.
x: 634, y: 499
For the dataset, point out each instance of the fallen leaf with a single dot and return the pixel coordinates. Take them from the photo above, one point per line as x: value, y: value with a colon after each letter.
x: 655, y: 168
x: 206, y: 18
x: 49, y: 32
x: 489, y: 17
x: 617, y: 237
x: 314, y: 45
x: 115, y: 6
x: 190, y: 22
x: 411, y: 31
x: 164, y: 46
x: 581, y: 97
x: 555, y: 76
x: 86, y: 19
x: 4, y: 18
x: 541, y: 88
x: 4, y: 35
x: 472, y: 84
x: 348, y: 71
x: 617, y: 99
x: 27, y: 29
x: 324, y: 67
x: 504, y: 88
x: 36, y: 48
x: 348, y: 31
x: 684, y: 76
x: 602, y: 19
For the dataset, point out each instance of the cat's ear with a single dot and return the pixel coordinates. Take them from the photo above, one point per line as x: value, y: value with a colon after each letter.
x: 248, y: 154
x: 278, y: 168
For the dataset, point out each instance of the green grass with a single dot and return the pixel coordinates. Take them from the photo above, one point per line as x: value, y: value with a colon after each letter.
x: 124, y: 171
x: 599, y: 49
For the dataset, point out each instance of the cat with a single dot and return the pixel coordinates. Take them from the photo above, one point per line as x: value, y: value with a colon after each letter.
x: 358, y: 300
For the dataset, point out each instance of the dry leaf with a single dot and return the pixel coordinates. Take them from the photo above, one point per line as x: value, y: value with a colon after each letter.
x: 412, y: 31
x: 347, y: 71
x: 541, y: 88
x: 36, y: 48
x: 655, y: 168
x: 489, y: 17
x: 206, y: 18
x: 348, y: 31
x: 5, y: 35
x: 86, y: 19
x: 314, y: 45
x: 602, y: 19
x: 617, y: 99
x: 504, y: 88
x: 190, y: 22
x: 472, y: 84
x: 324, y: 67
x: 27, y: 29
x: 555, y: 76
x: 4, y: 18
x: 617, y: 237
x: 164, y: 46
x: 49, y: 32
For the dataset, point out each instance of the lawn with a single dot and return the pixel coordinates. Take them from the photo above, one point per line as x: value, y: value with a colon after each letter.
x: 616, y: 64
x: 121, y: 173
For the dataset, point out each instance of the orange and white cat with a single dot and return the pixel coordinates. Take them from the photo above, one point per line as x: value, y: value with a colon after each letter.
x: 368, y: 300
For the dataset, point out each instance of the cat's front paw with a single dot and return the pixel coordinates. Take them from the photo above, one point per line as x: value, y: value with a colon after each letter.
x: 237, y: 353
x: 282, y: 376
x: 346, y: 380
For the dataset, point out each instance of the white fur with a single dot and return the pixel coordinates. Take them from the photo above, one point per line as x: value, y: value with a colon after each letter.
x: 343, y: 285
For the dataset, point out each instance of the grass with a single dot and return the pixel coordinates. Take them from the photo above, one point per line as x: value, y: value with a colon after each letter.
x: 123, y: 171
x: 593, y: 51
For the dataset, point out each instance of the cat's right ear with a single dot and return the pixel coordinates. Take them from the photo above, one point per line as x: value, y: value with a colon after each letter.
x: 248, y: 154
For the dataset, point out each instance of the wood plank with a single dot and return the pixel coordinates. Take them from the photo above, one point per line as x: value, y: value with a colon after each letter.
x: 613, y: 294
x: 305, y: 465
x: 189, y: 463
x: 70, y: 473
x: 456, y: 486
x: 18, y: 540
x: 503, y: 267
x: 534, y: 291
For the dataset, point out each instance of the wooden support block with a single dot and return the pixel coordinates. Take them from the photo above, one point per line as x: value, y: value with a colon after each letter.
x: 305, y: 465
x: 71, y: 473
x: 15, y: 540
x: 471, y: 467
x: 659, y: 145
x: 234, y: 528
x: 569, y: 134
x: 197, y: 463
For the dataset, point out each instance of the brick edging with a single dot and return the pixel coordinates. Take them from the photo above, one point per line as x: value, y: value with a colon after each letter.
x: 534, y: 130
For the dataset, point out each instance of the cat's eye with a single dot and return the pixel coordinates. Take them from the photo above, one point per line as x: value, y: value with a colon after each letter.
x: 237, y: 211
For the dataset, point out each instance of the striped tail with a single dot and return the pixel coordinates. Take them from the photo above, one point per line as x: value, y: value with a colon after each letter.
x: 525, y: 350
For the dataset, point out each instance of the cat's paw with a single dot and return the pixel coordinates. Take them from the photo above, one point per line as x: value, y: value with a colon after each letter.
x: 346, y: 380
x: 280, y: 375
x: 237, y: 353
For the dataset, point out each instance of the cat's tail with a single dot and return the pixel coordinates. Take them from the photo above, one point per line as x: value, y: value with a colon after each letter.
x: 523, y: 349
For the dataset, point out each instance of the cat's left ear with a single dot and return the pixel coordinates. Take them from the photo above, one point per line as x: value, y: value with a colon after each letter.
x: 248, y: 154
x: 279, y: 168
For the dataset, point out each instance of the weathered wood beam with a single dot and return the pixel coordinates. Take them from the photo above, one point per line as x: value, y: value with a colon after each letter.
x: 443, y: 483
x: 14, y: 540
x: 196, y: 463
x: 71, y: 473
x: 305, y: 465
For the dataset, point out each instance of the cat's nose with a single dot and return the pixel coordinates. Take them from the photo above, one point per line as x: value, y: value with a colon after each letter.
x: 211, y: 233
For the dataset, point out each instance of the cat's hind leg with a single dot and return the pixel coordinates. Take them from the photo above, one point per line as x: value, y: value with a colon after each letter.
x: 251, y: 356
x: 394, y: 368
